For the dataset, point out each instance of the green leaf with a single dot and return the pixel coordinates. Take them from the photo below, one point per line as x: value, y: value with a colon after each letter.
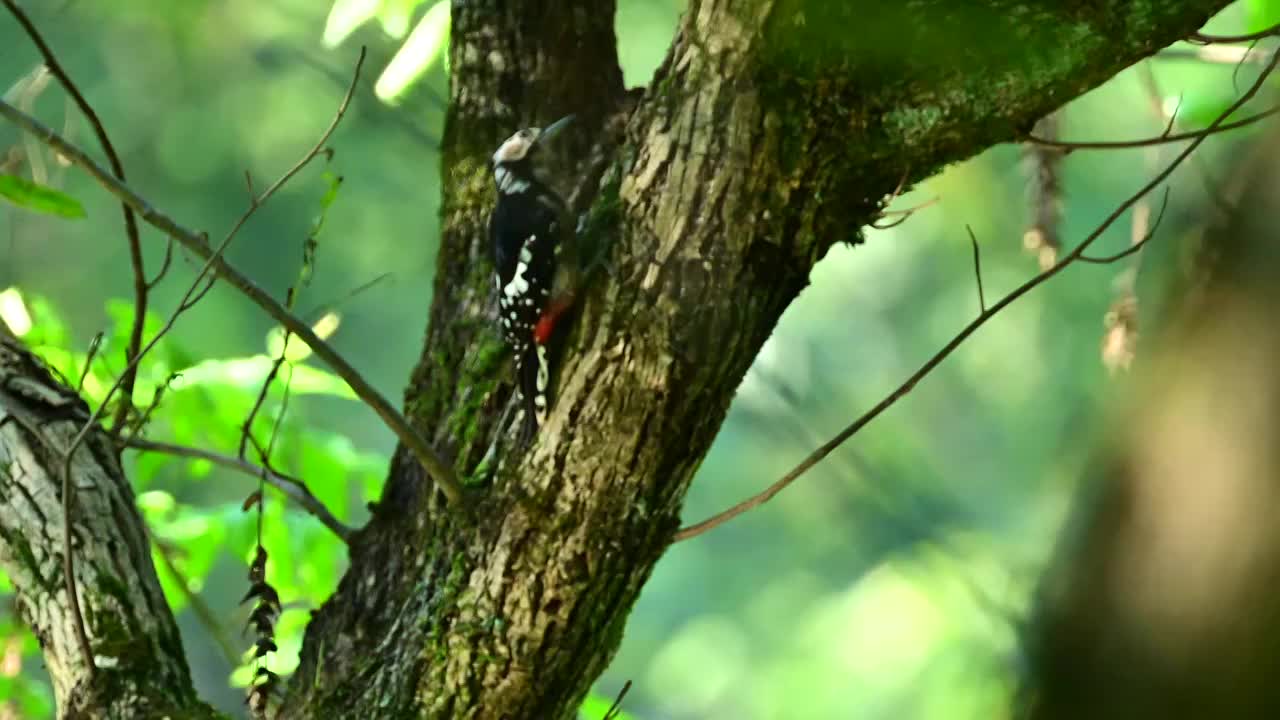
x: 395, y: 15
x: 345, y: 16
x: 426, y: 43
x: 48, y: 328
x: 39, y: 198
x: 155, y: 504
x: 13, y: 311
x: 595, y: 706
x: 248, y: 374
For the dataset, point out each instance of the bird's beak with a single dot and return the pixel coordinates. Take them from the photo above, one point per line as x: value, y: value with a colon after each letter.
x: 554, y: 128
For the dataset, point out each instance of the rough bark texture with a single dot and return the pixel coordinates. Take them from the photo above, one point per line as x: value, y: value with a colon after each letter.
x: 141, y: 670
x: 764, y: 138
x: 1164, y: 601
x: 773, y: 130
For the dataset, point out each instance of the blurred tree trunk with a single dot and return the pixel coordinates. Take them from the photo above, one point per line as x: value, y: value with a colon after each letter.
x: 773, y: 130
x: 1164, y: 602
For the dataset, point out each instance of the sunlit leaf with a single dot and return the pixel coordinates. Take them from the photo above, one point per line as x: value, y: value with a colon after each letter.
x: 146, y: 466
x: 395, y: 15
x: 297, y: 351
x: 39, y: 198
x: 155, y: 504
x: 13, y: 312
x: 595, y: 706
x: 426, y: 43
x: 344, y: 17
x: 250, y: 372
x: 48, y: 327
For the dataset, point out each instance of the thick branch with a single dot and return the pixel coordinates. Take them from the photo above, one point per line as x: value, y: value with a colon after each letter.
x: 139, y: 666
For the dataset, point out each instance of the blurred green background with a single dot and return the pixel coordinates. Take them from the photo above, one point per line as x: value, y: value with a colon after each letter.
x: 888, y: 583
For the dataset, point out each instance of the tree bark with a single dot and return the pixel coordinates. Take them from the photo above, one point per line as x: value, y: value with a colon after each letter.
x: 139, y: 666
x: 773, y: 130
x: 764, y: 138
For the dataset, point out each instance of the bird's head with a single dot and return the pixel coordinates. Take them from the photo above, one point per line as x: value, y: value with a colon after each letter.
x: 519, y: 160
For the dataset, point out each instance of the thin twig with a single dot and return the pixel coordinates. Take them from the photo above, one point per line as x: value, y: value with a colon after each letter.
x: 94, y: 345
x: 439, y: 471
x: 615, y: 710
x: 826, y: 449
x: 903, y: 215
x: 1158, y: 140
x: 1213, y: 54
x: 164, y: 264
x: 293, y: 488
x: 68, y: 560
x: 1202, y: 38
x: 246, y: 430
x: 140, y: 286
x: 1137, y: 243
x: 977, y: 269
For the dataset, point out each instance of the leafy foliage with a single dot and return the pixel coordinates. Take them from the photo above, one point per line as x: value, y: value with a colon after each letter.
x: 180, y: 498
x: 426, y: 44
x: 203, y: 406
x: 39, y: 198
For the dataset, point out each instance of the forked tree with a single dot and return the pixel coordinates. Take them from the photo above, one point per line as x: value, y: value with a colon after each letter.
x: 494, y: 580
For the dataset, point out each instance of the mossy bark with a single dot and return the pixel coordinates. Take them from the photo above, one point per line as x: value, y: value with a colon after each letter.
x: 763, y: 140
x: 139, y: 666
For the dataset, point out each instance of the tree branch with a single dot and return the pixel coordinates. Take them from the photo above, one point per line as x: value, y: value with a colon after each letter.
x: 1246, y: 38
x: 826, y: 449
x: 773, y: 130
x: 1162, y: 139
x: 137, y: 668
x: 294, y: 488
x: 439, y: 471
x: 140, y: 286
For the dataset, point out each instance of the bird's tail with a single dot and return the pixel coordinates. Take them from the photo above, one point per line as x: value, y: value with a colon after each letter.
x: 534, y: 374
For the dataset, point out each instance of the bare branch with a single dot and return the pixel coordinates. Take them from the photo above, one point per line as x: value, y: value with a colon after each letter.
x: 977, y: 269
x: 1138, y: 242
x: 293, y: 488
x: 68, y: 499
x: 94, y: 345
x: 140, y: 285
x: 826, y: 449
x: 1162, y: 139
x: 1214, y: 54
x: 903, y: 215
x: 615, y: 710
x: 1204, y: 39
x: 197, y: 243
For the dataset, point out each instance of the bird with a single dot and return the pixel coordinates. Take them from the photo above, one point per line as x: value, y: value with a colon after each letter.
x: 536, y: 262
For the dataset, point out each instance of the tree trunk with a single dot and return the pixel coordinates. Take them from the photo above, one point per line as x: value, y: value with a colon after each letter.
x: 140, y: 669
x: 764, y: 138
x: 773, y: 130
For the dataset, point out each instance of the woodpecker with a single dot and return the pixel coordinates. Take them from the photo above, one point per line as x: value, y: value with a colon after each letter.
x: 536, y: 262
